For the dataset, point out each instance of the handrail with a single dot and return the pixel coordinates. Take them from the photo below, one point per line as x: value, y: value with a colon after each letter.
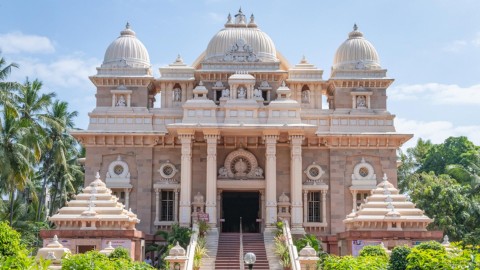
x: 191, y: 247
x: 242, y: 265
x: 292, y: 249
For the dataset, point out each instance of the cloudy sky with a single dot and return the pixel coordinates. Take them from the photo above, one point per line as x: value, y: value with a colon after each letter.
x: 430, y: 47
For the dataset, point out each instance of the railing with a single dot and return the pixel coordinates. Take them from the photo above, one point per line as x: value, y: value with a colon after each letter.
x: 242, y: 266
x: 191, y: 247
x: 292, y: 249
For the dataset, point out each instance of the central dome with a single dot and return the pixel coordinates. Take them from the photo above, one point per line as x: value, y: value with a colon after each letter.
x: 241, y: 42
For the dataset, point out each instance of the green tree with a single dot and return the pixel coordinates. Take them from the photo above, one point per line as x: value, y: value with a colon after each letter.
x: 10, y: 244
x: 444, y: 180
x: 398, y: 258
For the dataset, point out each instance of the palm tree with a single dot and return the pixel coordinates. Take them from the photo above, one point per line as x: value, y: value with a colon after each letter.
x: 59, y: 166
x: 15, y: 155
x: 7, y: 87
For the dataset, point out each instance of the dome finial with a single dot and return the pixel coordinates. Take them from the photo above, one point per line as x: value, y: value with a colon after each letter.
x: 240, y: 10
x: 229, y: 18
x: 127, y: 26
x: 355, y: 27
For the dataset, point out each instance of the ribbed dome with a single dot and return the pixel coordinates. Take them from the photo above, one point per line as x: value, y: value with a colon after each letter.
x: 356, y: 53
x: 241, y: 42
x: 126, y: 51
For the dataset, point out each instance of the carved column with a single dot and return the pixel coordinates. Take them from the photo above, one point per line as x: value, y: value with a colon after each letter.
x: 175, y: 206
x: 296, y: 183
x: 270, y: 178
x: 324, y: 206
x: 211, y: 200
x: 305, y: 208
x: 157, y: 205
x: 186, y: 178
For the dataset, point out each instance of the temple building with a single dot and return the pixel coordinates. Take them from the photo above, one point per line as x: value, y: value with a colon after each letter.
x: 241, y: 133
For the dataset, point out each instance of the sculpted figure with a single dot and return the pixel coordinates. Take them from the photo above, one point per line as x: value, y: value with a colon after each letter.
x: 177, y: 94
x: 121, y: 101
x: 361, y: 102
x: 242, y: 92
x: 222, y: 172
x: 305, y: 96
x: 226, y: 92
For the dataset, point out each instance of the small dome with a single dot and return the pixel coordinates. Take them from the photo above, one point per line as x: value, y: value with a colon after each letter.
x: 356, y: 53
x: 244, y: 40
x: 126, y: 51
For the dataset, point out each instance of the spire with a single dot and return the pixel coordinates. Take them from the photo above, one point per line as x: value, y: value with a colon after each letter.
x: 127, y: 30
x: 240, y: 17
x: 355, y: 33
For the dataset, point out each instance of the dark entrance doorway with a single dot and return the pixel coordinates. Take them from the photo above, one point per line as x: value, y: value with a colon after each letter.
x: 240, y: 204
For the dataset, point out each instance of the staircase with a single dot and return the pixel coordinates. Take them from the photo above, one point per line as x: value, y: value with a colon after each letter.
x: 228, y: 253
x: 253, y: 242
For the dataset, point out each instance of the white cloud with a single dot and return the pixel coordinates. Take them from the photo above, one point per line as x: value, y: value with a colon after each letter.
x: 68, y: 71
x: 436, y: 93
x: 459, y: 45
x: 17, y: 42
x: 436, y: 131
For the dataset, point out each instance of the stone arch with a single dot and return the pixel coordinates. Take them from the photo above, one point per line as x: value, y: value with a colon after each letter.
x: 241, y: 164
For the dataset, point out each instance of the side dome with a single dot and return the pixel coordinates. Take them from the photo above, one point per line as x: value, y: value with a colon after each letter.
x: 356, y: 53
x: 126, y: 51
x: 240, y: 41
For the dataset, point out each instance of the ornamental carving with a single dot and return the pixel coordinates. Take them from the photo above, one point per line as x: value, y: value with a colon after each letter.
x: 314, y: 172
x: 240, y: 52
x: 240, y: 164
x: 363, y: 171
x: 167, y: 170
x: 118, y: 169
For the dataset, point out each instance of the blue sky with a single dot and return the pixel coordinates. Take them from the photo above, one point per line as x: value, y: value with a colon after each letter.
x: 431, y: 47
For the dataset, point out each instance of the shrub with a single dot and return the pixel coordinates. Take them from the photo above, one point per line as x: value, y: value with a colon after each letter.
x: 9, y: 241
x: 375, y: 251
x: 433, y: 245
x: 352, y: 263
x: 120, y: 253
x: 310, y: 239
x: 398, y: 258
x: 93, y: 260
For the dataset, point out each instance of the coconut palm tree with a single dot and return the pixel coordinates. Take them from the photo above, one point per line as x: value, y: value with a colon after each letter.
x: 15, y: 154
x: 6, y: 87
x: 59, y: 166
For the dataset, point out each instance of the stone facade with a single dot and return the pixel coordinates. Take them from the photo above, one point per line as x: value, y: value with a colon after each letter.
x: 242, y: 95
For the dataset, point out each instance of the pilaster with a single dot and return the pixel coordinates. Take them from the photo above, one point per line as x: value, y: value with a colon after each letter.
x: 270, y: 178
x: 296, y: 182
x: 186, y: 138
x: 211, y: 201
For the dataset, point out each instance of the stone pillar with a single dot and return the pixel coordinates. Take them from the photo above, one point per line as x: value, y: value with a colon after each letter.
x: 262, y: 207
x: 175, y: 206
x: 270, y: 178
x: 186, y: 177
x: 211, y: 196
x: 157, y: 205
x: 324, y: 206
x: 296, y: 183
x: 305, y: 204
